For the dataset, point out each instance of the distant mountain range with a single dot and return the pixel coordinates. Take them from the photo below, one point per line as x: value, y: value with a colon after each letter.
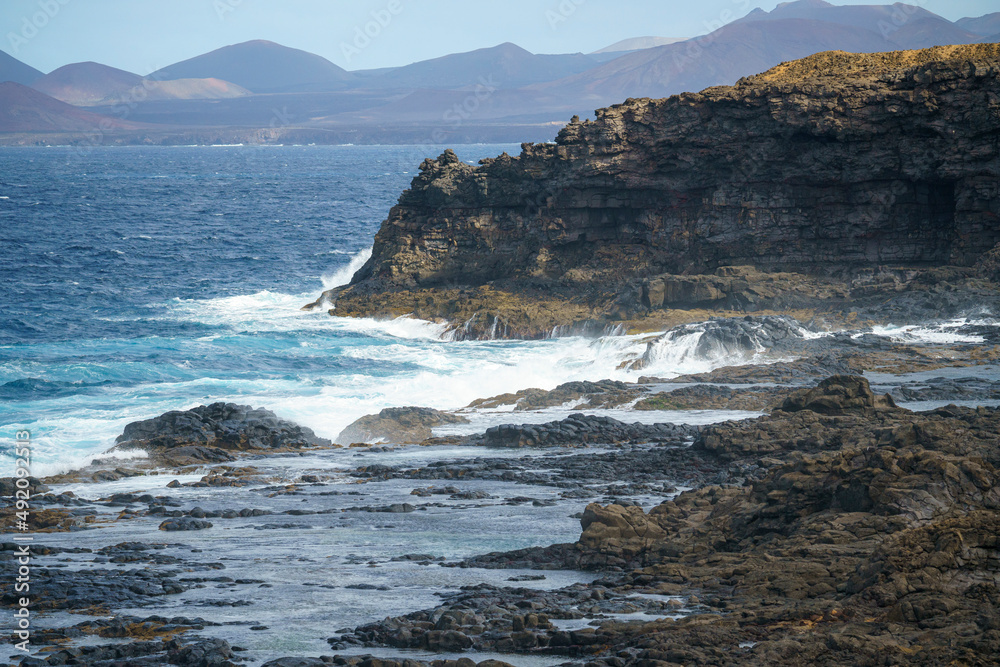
x: 260, y: 91
x: 26, y: 110
x: 262, y: 67
x: 12, y: 69
x: 637, y: 43
x: 92, y: 84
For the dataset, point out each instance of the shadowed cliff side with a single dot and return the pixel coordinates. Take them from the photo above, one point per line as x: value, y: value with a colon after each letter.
x: 822, y: 184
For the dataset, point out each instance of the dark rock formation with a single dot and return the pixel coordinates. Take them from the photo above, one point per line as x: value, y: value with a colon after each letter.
x: 212, y: 433
x: 185, y: 523
x: 715, y: 397
x: 580, y: 429
x: 199, y: 653
x: 8, y: 486
x: 870, y: 538
x: 838, y: 395
x: 397, y: 425
x: 736, y: 338
x: 583, y: 394
x: 837, y: 165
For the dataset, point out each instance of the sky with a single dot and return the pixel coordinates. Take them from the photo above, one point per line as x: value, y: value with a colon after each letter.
x: 142, y: 36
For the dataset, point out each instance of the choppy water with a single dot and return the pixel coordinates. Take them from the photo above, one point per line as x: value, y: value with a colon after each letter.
x: 139, y: 280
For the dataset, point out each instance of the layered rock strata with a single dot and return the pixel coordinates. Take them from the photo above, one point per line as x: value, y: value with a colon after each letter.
x: 832, y: 178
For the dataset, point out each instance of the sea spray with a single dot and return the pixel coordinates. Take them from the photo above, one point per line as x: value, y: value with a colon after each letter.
x: 343, y: 275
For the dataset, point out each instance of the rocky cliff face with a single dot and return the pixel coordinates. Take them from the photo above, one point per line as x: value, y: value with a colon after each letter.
x: 830, y: 166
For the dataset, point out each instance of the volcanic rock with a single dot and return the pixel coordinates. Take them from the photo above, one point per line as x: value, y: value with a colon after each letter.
x: 865, y: 178
x: 397, y: 425
x: 197, y: 435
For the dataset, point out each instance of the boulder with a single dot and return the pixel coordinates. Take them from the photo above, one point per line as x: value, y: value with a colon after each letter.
x: 397, y: 425
x: 197, y: 435
x: 838, y: 395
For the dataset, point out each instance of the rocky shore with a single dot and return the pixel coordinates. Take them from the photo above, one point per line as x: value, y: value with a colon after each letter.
x: 824, y: 492
x: 835, y: 526
x: 843, y: 187
x: 867, y: 533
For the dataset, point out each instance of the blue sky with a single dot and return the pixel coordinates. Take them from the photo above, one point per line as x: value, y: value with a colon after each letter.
x: 144, y: 35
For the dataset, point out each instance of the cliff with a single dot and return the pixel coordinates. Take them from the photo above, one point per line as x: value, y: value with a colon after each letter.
x: 778, y: 192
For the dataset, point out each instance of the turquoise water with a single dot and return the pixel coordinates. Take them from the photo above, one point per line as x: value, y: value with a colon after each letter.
x: 140, y: 280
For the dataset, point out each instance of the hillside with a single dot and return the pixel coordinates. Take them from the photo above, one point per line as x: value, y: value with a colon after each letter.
x: 23, y: 109
x: 504, y: 66
x: 12, y: 69
x: 834, y: 166
x: 262, y: 67
x: 981, y: 25
x: 85, y: 84
x: 638, y: 43
x: 92, y: 84
x: 734, y: 51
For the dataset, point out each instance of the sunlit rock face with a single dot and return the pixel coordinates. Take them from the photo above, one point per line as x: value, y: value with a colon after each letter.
x: 828, y: 165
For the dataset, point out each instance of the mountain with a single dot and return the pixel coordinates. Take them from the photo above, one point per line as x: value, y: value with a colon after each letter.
x: 928, y: 32
x: 637, y: 44
x: 24, y: 109
x: 720, y: 58
x: 93, y: 84
x: 179, y: 89
x: 261, y: 67
x: 983, y: 25
x: 867, y: 17
x: 504, y: 66
x: 83, y: 84
x: 12, y: 69
x: 906, y: 26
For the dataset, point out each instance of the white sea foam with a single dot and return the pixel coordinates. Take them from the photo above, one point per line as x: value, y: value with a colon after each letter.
x: 343, y: 275
x: 421, y: 370
x: 377, y: 364
x: 266, y: 311
x: 942, y: 333
x: 52, y: 459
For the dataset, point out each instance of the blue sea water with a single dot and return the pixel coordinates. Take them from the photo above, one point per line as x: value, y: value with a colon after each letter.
x: 138, y: 280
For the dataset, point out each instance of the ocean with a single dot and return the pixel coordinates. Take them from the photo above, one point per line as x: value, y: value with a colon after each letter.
x: 138, y: 280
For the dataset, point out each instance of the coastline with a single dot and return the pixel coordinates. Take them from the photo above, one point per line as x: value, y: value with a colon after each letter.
x: 633, y: 590
x: 792, y: 456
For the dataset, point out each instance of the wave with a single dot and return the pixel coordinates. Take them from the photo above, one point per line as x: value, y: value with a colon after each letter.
x: 343, y: 275
x: 37, y: 388
x: 942, y: 333
x: 268, y: 312
x: 704, y: 346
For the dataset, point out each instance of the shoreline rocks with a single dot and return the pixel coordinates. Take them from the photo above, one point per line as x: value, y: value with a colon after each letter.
x: 872, y: 531
x: 405, y: 425
x: 838, y: 525
x: 844, y: 185
x: 579, y: 429
x: 198, y: 432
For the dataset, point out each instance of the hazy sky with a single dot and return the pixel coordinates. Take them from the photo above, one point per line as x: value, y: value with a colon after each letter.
x: 144, y: 35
